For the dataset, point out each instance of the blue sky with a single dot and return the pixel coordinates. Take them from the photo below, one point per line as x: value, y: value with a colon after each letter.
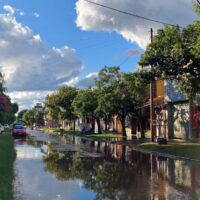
x: 48, y: 43
x: 56, y: 26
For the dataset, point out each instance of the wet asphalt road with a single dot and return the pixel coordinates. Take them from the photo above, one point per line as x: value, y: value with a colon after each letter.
x: 69, y: 168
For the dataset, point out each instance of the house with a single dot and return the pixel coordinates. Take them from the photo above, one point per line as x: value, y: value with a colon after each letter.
x: 173, y: 115
x: 38, y: 107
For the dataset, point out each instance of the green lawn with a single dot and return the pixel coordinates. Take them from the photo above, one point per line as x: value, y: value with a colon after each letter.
x: 102, y: 136
x: 7, y: 156
x: 57, y: 131
x: 51, y: 130
x: 183, y: 149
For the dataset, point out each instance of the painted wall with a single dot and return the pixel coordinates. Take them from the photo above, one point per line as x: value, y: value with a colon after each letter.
x: 180, y: 120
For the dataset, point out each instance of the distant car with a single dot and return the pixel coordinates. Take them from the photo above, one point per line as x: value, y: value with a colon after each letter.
x: 18, y: 130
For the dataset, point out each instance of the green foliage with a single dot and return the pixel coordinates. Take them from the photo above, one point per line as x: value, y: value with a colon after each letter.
x: 65, y: 98
x: 32, y: 116
x: 14, y: 108
x: 85, y: 103
x: 51, y: 105
x: 9, y: 116
x: 59, y: 104
x: 174, y: 55
x: 120, y: 94
x: 196, y: 5
x: 29, y: 117
x: 20, y: 114
x: 2, y: 83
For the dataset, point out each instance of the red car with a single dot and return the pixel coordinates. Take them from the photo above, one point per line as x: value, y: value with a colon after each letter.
x: 18, y: 130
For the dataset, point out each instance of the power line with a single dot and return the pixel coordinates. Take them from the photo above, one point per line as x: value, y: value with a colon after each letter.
x: 131, y: 14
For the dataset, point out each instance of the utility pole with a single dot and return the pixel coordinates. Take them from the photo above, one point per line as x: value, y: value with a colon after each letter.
x: 151, y: 100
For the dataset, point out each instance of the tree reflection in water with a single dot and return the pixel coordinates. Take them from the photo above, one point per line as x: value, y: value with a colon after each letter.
x: 127, y: 174
x: 108, y: 180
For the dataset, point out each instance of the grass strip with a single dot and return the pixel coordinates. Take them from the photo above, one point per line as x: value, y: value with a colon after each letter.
x: 103, y: 136
x: 58, y: 131
x: 183, y: 149
x: 7, y: 156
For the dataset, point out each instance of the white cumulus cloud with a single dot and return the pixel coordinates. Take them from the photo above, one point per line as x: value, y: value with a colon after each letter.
x: 26, y: 100
x: 28, y: 64
x: 81, y: 83
x: 9, y: 9
x: 91, y: 17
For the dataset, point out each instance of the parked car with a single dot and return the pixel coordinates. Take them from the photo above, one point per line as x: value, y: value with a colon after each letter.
x: 18, y: 130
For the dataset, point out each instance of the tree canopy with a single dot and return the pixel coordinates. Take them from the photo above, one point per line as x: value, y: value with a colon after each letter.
x: 175, y: 55
x: 121, y: 94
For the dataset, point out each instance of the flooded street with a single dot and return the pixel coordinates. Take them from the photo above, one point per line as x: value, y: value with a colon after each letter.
x: 75, y: 169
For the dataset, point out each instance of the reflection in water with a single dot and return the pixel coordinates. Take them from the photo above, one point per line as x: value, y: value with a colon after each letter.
x: 121, y: 173
x: 127, y: 174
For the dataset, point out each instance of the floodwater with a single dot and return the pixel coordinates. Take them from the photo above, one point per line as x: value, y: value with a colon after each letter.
x: 75, y: 169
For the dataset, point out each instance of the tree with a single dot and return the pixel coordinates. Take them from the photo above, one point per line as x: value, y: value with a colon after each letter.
x: 29, y: 117
x: 174, y: 54
x: 39, y: 117
x: 85, y: 104
x: 65, y: 97
x: 10, y: 116
x: 20, y: 114
x: 14, y: 108
x: 2, y: 83
x: 104, y: 82
x: 59, y: 104
x: 197, y: 6
x: 121, y: 94
x: 51, y: 105
x: 136, y: 86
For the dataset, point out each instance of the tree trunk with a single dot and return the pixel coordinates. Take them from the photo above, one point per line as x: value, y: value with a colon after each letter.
x: 98, y: 147
x: 106, y: 123
x: 113, y: 121
x: 189, y: 135
x: 123, y: 158
x: 93, y: 125
x: 99, y: 125
x: 141, y: 128
x: 74, y: 122
x: 122, y: 119
x: 92, y: 144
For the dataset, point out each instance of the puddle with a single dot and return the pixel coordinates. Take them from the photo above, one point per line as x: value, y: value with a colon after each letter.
x: 75, y: 169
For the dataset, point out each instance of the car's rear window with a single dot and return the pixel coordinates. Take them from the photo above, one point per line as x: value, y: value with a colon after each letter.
x: 18, y: 127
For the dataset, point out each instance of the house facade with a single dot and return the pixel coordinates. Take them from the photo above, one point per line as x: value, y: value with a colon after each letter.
x: 174, y: 117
